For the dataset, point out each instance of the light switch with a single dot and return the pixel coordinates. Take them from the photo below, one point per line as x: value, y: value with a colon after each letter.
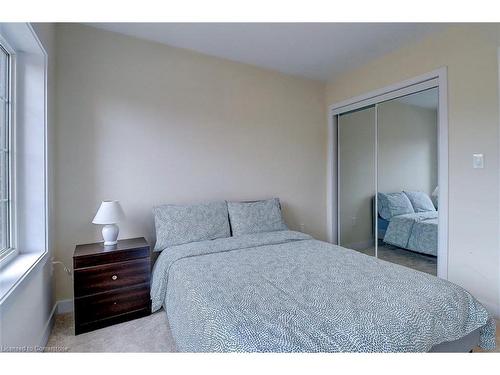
x: 477, y: 161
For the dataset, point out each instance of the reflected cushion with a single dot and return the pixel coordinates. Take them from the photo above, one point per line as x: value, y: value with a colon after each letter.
x: 420, y: 201
x: 393, y: 204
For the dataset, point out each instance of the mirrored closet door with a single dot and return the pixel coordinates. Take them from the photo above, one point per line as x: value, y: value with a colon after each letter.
x: 407, y: 179
x: 388, y: 180
x: 356, y: 170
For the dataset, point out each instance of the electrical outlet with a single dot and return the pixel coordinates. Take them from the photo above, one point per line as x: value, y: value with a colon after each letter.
x: 477, y: 161
x: 302, y: 227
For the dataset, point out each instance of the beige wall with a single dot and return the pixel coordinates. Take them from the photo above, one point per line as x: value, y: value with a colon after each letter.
x: 148, y: 124
x: 407, y: 148
x: 470, y: 54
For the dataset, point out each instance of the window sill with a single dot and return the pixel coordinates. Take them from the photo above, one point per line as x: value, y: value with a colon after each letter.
x: 16, y: 270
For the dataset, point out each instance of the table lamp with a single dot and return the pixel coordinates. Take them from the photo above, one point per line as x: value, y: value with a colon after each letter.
x: 109, y: 213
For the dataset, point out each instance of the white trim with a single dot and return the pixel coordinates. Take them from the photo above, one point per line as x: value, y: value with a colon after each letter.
x: 432, y: 79
x: 498, y: 156
x: 45, y: 132
x: 64, y: 306
x: 28, y: 263
x: 443, y: 229
x: 9, y: 253
x: 410, y: 86
x: 375, y: 161
x: 337, y: 200
x: 47, y: 330
x: 331, y: 172
x: 13, y: 158
x: 60, y: 307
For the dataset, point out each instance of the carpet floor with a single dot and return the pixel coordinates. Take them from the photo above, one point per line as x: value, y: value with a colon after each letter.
x: 150, y: 334
x: 407, y: 258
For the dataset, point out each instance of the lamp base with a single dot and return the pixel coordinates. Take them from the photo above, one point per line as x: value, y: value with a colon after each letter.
x: 110, y: 234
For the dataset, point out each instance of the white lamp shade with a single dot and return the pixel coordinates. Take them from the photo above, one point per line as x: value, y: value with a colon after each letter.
x: 110, y: 212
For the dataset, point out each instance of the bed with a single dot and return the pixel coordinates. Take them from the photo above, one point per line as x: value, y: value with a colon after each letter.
x: 416, y: 232
x: 408, y: 226
x: 283, y: 291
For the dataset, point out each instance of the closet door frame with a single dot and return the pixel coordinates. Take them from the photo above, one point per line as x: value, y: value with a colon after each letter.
x: 436, y: 78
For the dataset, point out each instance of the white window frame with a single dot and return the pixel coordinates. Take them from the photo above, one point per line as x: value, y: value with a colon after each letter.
x: 12, y: 250
x: 29, y: 163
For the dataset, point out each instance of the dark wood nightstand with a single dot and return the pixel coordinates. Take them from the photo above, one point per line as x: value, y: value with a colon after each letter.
x: 111, y: 284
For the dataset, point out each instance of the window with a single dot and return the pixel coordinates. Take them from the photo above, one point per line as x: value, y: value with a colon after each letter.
x: 24, y: 236
x: 5, y: 214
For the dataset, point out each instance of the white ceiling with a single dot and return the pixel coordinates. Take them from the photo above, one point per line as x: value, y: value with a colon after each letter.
x: 313, y: 50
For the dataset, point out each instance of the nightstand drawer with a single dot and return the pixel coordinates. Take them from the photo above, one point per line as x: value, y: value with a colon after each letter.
x: 96, y: 254
x: 110, y: 304
x: 111, y: 283
x: 107, y: 277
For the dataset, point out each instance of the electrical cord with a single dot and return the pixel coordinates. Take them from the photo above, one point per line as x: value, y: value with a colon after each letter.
x: 66, y: 269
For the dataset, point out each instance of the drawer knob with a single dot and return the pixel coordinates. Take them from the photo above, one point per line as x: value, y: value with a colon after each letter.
x: 114, y: 277
x: 114, y: 303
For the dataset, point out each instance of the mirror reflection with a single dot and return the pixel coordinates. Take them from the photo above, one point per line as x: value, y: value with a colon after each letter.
x: 388, y: 180
x: 407, y: 171
x: 356, y: 135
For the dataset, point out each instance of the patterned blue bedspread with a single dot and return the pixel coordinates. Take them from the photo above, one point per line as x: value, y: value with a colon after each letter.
x: 286, y: 292
x: 416, y: 231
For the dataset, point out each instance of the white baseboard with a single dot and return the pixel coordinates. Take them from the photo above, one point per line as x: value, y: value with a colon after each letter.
x: 60, y: 307
x: 47, y: 329
x: 64, y: 306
